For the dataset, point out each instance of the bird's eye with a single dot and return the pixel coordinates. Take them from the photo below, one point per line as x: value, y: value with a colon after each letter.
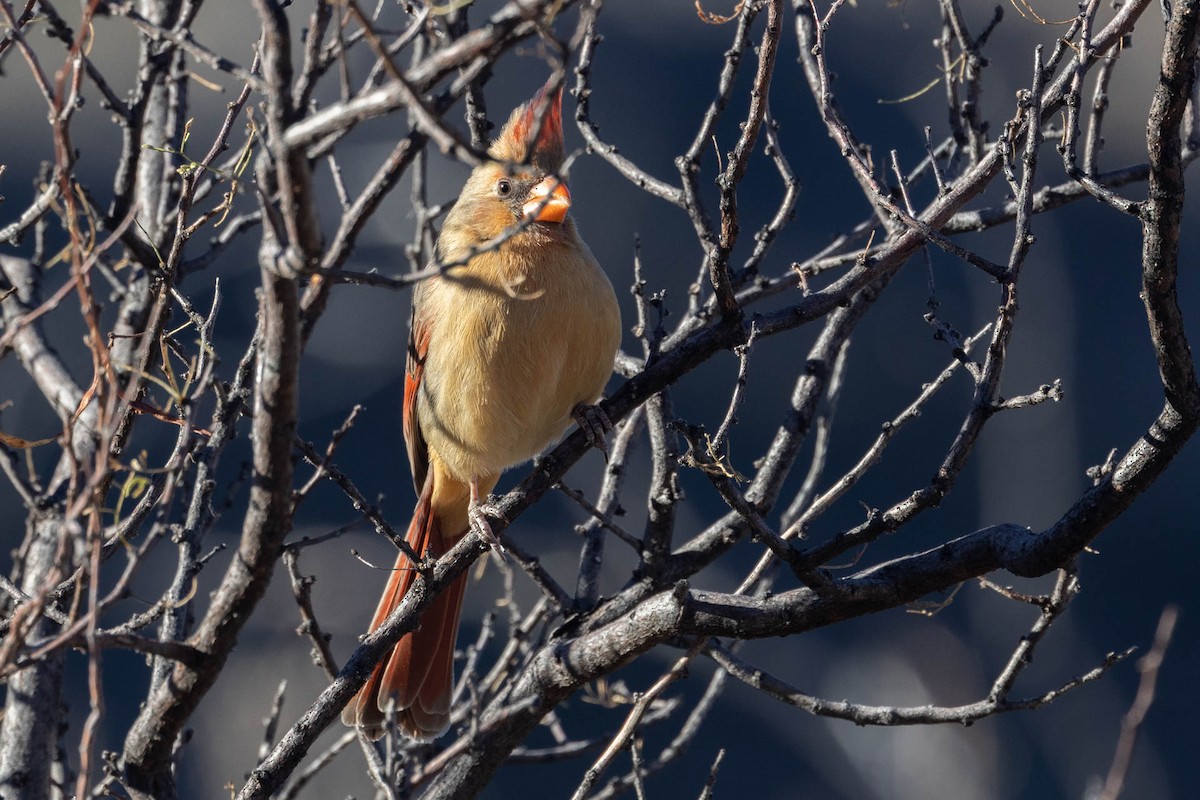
x: 504, y: 187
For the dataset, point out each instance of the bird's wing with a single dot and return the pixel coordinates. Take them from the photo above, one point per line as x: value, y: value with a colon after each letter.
x: 414, y: 440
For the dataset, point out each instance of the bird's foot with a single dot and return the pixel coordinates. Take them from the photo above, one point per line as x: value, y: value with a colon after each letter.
x: 595, y: 425
x: 478, y: 513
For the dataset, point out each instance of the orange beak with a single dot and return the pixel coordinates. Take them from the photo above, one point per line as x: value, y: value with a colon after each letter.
x: 548, y: 201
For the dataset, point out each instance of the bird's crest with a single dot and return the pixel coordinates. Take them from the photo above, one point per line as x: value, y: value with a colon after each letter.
x: 522, y: 140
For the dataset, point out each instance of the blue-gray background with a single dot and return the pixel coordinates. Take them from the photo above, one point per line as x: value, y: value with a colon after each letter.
x: 1081, y: 321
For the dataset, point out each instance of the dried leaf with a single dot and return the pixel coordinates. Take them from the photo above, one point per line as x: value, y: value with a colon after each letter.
x: 709, y: 18
x: 17, y: 443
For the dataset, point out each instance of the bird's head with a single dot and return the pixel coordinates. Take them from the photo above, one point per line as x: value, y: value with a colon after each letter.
x: 519, y: 183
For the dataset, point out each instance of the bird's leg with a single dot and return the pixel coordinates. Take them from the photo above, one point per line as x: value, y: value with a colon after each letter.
x: 595, y: 425
x: 478, y: 512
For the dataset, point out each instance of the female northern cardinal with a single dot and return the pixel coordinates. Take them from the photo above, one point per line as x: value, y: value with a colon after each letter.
x: 503, y: 352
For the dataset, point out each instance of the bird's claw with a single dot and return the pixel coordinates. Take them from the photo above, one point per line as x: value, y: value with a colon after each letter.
x: 595, y: 425
x: 478, y: 514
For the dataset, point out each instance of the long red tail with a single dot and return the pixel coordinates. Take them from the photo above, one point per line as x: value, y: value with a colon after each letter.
x: 418, y: 675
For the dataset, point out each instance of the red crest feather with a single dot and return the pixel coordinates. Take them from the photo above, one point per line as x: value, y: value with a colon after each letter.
x: 522, y: 140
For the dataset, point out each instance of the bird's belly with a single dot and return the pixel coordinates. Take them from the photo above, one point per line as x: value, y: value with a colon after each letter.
x: 517, y: 372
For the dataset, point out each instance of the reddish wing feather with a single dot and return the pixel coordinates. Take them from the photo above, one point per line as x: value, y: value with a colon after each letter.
x: 414, y: 440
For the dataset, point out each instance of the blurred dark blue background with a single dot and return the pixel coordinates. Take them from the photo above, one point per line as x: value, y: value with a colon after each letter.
x: 1081, y: 321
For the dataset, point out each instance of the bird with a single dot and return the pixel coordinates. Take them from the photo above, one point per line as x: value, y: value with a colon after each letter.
x: 509, y: 343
